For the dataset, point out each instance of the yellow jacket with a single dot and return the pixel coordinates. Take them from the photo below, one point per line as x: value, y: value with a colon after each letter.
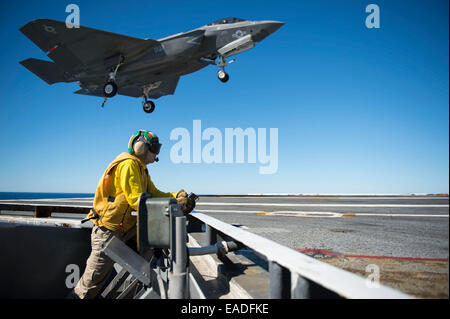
x: 118, y: 191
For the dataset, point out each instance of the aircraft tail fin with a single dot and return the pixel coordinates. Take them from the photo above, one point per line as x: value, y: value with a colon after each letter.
x: 46, y: 70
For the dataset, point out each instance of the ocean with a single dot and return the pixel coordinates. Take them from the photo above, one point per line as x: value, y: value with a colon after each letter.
x: 23, y: 195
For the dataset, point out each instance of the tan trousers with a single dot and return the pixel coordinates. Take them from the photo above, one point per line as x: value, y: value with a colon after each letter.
x: 98, y: 265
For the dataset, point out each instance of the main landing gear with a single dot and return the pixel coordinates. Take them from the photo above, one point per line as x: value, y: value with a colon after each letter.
x: 147, y: 104
x: 110, y: 88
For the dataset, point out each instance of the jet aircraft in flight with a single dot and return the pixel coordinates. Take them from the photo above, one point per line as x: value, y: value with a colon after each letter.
x: 105, y: 64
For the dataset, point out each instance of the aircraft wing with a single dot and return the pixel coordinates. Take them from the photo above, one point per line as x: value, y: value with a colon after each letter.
x: 81, y: 47
x: 97, y: 90
x: 157, y: 89
x: 91, y: 91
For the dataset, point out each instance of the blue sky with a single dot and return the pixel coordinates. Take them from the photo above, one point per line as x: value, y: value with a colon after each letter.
x: 358, y: 110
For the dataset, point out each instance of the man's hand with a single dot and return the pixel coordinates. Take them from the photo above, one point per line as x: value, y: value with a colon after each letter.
x: 187, y: 201
x: 188, y: 204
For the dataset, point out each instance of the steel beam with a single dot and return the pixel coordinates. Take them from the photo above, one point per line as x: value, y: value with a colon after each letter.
x: 210, y: 235
x: 178, y: 281
x: 115, y: 284
x: 128, y: 259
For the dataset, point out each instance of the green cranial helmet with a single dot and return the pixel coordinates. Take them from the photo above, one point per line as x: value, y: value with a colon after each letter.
x: 149, y: 138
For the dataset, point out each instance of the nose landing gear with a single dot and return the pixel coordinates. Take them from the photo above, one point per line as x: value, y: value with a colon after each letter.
x: 222, y: 75
x: 221, y: 63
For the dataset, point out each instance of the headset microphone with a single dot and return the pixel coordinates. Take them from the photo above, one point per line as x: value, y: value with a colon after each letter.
x: 156, y: 159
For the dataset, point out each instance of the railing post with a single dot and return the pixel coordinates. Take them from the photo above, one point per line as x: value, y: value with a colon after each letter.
x: 178, y: 288
x: 210, y: 236
x: 301, y: 287
x: 40, y: 211
x: 280, y: 281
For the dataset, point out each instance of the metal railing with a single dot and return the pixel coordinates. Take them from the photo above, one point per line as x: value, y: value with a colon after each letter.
x: 295, y: 275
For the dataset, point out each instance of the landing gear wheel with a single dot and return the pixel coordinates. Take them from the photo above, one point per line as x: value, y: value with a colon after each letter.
x: 148, y: 106
x: 223, y: 76
x: 110, y: 89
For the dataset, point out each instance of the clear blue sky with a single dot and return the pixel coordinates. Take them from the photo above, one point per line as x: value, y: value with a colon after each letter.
x: 357, y: 110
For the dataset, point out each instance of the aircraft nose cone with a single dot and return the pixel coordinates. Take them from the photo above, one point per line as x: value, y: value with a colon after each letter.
x: 274, y: 26
x: 266, y: 28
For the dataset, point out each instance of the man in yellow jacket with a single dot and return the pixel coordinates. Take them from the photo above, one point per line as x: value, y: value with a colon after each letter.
x: 116, y: 196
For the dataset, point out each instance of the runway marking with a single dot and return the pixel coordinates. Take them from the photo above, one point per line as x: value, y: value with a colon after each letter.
x: 339, y: 215
x: 228, y: 211
x: 400, y: 215
x: 316, y: 205
x: 314, y: 214
x: 334, y: 197
x: 302, y: 197
x: 305, y: 214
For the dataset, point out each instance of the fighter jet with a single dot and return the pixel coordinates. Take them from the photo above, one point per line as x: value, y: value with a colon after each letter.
x: 106, y: 64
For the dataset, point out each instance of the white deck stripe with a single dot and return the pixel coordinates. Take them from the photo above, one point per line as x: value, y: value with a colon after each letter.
x: 401, y: 215
x: 317, y: 213
x: 313, y: 205
x: 228, y: 211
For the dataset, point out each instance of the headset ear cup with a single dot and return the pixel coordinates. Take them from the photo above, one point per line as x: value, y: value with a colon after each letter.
x: 140, y: 149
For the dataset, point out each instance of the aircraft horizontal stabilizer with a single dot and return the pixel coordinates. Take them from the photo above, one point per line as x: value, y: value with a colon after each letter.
x: 46, y: 70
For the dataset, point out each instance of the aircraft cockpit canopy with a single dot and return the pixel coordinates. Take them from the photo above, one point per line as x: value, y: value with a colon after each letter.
x: 226, y: 21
